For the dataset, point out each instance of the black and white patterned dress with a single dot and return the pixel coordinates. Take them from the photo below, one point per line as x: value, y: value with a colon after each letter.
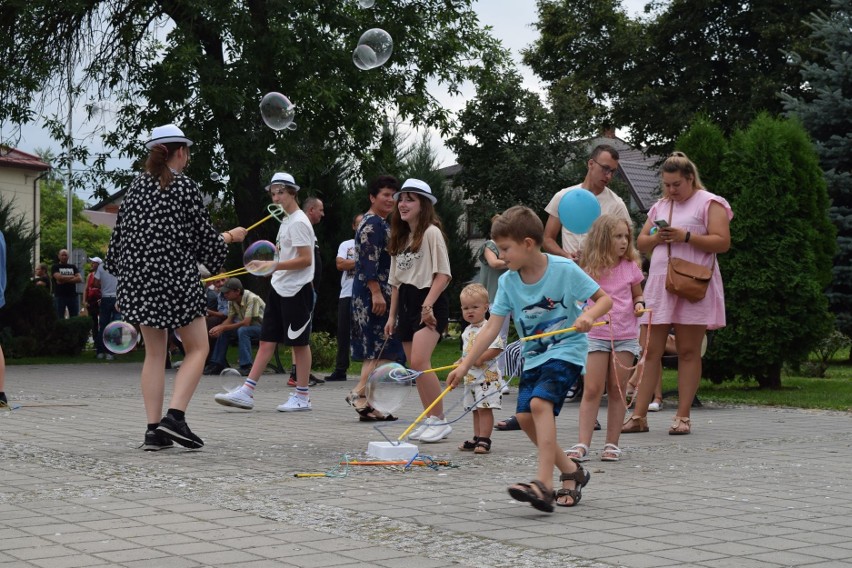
x: 160, y: 236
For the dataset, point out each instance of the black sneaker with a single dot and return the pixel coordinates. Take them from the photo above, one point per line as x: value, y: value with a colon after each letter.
x: 178, y: 431
x: 156, y: 441
x: 314, y: 381
x: 336, y: 376
x: 213, y: 369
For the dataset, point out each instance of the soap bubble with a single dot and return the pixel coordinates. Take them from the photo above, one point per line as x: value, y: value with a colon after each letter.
x: 177, y: 335
x: 215, y: 176
x: 291, y: 126
x: 260, y: 251
x: 120, y: 337
x: 373, y: 50
x: 277, y: 111
x: 386, y: 393
x: 366, y: 3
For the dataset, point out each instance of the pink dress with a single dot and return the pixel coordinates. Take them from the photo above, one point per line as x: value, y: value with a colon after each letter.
x: 691, y: 215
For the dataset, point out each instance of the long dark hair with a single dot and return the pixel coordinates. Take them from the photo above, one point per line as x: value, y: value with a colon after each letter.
x: 156, y: 164
x: 400, y: 230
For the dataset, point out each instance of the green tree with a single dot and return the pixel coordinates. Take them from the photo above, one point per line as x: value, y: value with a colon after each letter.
x: 716, y: 58
x: 20, y: 242
x: 706, y: 146
x: 780, y: 257
x: 825, y: 110
x: 53, y: 222
x: 511, y: 147
x: 205, y: 65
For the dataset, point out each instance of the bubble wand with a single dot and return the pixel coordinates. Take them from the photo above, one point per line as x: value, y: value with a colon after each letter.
x: 275, y: 210
x: 559, y: 331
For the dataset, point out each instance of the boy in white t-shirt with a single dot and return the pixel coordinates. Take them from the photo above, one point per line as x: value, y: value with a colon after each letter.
x: 287, y: 317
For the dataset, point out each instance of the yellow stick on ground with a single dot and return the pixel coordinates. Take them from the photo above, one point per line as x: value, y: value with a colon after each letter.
x: 425, y: 412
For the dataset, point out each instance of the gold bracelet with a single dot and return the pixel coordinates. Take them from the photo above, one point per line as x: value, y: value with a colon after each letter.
x: 425, y: 308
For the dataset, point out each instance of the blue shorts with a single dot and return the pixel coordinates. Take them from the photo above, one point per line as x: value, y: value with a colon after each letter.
x: 550, y: 382
x: 629, y: 345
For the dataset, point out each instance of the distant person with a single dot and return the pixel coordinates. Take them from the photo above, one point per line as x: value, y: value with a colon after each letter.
x: 245, y: 316
x: 697, y: 229
x: 217, y: 312
x: 345, y: 263
x: 4, y: 402
x: 162, y: 232
x: 92, y: 301
x: 371, y: 294
x: 287, y: 318
x: 482, y: 382
x: 542, y: 292
x: 66, y: 276
x: 108, y: 312
x: 315, y: 211
x: 42, y: 279
x: 600, y: 168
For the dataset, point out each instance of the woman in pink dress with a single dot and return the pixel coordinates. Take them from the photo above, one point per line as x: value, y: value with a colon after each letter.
x: 698, y: 228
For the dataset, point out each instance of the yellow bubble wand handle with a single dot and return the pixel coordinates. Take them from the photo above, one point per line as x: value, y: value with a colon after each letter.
x: 264, y: 220
x: 425, y: 412
x: 409, y: 374
x: 558, y: 331
x: 235, y: 272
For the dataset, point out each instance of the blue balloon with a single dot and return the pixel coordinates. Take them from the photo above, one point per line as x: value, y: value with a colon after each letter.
x: 578, y: 209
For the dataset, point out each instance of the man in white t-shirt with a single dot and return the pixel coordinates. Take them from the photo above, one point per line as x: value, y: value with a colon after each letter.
x: 345, y: 263
x: 287, y: 317
x: 602, y: 165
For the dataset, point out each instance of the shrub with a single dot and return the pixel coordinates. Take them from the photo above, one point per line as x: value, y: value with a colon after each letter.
x: 68, y: 336
x: 323, y: 350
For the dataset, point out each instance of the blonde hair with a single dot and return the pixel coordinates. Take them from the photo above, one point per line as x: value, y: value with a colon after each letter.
x: 518, y: 223
x: 474, y: 290
x: 599, y: 254
x: 677, y: 162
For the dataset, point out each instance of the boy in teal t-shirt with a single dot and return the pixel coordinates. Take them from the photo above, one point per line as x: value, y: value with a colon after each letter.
x: 542, y: 292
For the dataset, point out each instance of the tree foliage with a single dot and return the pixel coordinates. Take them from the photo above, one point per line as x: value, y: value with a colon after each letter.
x: 706, y: 146
x: 825, y: 110
x: 716, y: 58
x: 780, y: 257
x: 20, y: 243
x: 205, y: 65
x: 512, y: 149
x: 53, y: 224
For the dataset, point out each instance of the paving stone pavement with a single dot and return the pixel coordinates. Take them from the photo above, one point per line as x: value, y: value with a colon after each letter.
x: 751, y: 487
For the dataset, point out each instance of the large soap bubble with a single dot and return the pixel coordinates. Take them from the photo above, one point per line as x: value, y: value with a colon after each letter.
x: 277, y: 111
x: 366, y: 3
x: 120, y: 337
x: 386, y: 393
x: 374, y: 49
x: 258, y: 255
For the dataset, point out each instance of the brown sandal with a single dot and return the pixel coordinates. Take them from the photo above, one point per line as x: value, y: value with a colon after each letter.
x: 483, y: 446
x: 469, y: 446
x: 677, y: 423
x: 524, y: 493
x: 580, y: 478
x: 635, y: 424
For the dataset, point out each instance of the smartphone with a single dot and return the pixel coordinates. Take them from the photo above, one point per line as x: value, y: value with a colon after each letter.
x: 661, y: 223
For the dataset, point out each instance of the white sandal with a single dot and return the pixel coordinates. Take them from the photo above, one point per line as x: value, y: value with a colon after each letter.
x: 611, y: 453
x: 578, y: 452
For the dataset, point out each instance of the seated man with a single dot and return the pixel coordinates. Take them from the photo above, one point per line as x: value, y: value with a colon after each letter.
x: 245, y: 315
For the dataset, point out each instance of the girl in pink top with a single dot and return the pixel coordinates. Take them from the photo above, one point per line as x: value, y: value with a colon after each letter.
x: 698, y: 230
x: 609, y: 258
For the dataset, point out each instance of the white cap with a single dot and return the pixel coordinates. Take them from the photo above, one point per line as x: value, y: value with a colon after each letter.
x: 166, y: 134
x: 96, y: 259
x: 283, y: 178
x: 412, y: 185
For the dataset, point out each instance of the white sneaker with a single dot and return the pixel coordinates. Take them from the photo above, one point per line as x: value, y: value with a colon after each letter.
x: 109, y: 357
x: 437, y: 431
x: 295, y: 403
x: 415, y: 434
x: 655, y: 406
x: 505, y: 390
x: 237, y: 398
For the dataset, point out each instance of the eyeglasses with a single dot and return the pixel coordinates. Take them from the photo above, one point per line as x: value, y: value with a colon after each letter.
x: 608, y: 171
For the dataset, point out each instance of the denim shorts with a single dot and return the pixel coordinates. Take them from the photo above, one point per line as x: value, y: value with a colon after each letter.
x: 550, y: 382
x: 629, y: 345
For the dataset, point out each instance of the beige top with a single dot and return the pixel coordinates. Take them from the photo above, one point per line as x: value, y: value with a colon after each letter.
x: 418, y: 269
x: 611, y: 204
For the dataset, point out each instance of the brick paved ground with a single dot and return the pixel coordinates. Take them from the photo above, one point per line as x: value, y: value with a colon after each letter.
x: 751, y: 487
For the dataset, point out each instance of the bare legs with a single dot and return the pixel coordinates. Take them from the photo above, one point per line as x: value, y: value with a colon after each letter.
x: 599, y: 372
x: 194, y: 338
x: 419, y: 355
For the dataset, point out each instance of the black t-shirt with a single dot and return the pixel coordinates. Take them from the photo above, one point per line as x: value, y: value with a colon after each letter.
x: 68, y: 288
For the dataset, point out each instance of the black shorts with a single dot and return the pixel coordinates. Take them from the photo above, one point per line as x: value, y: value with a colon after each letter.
x: 410, y: 304
x: 288, y: 320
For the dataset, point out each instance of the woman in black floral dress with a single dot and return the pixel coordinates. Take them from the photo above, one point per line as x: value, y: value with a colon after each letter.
x: 371, y: 294
x: 161, y: 234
